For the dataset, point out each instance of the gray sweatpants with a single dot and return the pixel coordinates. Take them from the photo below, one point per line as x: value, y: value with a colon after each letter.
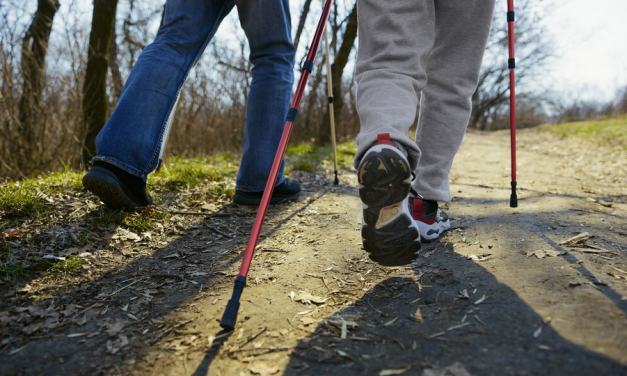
x: 411, y: 46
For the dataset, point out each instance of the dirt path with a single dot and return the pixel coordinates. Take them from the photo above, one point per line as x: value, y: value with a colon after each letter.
x: 500, y: 294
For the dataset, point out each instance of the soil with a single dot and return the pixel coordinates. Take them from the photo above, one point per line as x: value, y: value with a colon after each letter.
x: 504, y: 292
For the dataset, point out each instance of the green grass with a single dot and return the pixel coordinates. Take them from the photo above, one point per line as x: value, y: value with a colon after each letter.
x: 57, y: 181
x: 71, y: 265
x: 310, y: 157
x: 135, y: 222
x: 190, y: 173
x: 13, y: 271
x: 612, y: 131
x: 22, y: 201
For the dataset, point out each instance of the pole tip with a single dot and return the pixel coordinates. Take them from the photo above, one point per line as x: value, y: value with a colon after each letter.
x: 336, y: 181
x: 229, y: 317
x: 513, y: 198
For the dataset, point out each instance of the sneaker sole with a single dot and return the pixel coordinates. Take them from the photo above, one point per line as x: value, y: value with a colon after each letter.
x: 109, y: 190
x: 389, y: 233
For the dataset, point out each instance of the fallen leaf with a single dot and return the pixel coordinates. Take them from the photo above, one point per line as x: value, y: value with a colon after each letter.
x: 480, y: 300
x: 394, y: 371
x: 53, y: 257
x: 74, y: 335
x: 542, y: 253
x: 13, y: 233
x: 456, y: 369
x: 344, y: 354
x: 483, y: 257
x: 308, y: 320
x: 391, y: 321
x: 307, y: 298
x: 115, y: 328
x: 262, y: 368
x: 538, y: 331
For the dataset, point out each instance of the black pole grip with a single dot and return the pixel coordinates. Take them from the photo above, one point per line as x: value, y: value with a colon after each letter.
x: 513, y: 198
x: 229, y: 317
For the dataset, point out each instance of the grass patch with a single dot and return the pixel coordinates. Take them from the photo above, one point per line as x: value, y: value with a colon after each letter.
x: 310, y: 157
x: 135, y: 222
x: 190, y: 173
x: 72, y: 265
x: 18, y: 202
x: 14, y: 271
x: 57, y: 181
x: 611, y: 131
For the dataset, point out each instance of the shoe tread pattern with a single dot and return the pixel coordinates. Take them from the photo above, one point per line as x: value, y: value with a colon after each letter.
x: 384, y: 179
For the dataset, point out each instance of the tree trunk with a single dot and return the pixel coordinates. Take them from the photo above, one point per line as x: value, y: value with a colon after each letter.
x: 95, y: 101
x: 34, y: 49
x: 339, y: 63
x: 116, y: 75
x: 301, y: 22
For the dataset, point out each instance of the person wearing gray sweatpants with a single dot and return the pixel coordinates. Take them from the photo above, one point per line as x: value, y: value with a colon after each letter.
x: 411, y: 50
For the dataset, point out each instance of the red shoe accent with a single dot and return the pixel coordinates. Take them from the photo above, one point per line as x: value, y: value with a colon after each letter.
x: 384, y: 138
x: 418, y: 213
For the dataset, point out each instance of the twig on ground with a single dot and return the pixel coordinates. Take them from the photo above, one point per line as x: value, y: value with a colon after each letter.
x: 167, y: 331
x: 218, y: 231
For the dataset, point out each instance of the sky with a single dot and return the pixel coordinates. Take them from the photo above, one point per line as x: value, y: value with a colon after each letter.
x: 591, y: 37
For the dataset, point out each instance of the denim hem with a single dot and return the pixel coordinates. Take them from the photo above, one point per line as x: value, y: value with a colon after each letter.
x: 122, y: 165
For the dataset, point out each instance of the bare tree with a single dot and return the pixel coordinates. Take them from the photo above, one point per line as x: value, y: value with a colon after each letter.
x: 533, y: 53
x: 95, y: 101
x: 340, y: 62
x: 34, y: 49
x: 301, y: 22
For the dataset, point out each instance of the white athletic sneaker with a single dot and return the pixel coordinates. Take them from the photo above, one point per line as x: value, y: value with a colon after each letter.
x: 430, y: 219
x: 389, y: 234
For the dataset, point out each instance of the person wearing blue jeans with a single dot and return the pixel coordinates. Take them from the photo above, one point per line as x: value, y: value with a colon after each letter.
x: 130, y: 144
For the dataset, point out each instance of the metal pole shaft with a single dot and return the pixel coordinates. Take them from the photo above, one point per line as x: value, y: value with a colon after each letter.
x: 331, y: 108
x: 229, y: 317
x: 513, y: 200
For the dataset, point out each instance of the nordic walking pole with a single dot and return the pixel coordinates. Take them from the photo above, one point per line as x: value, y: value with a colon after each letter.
x: 331, y: 108
x: 229, y: 318
x: 511, y: 63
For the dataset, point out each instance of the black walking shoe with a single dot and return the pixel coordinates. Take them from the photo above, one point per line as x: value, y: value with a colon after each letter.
x: 430, y: 219
x: 389, y: 233
x: 117, y: 188
x: 286, y: 191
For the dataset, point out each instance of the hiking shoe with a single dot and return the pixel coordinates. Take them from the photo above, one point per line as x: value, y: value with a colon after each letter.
x: 388, y: 232
x: 117, y: 188
x: 286, y: 191
x: 430, y: 219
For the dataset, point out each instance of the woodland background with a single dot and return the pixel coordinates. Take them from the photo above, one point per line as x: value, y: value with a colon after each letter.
x: 63, y: 70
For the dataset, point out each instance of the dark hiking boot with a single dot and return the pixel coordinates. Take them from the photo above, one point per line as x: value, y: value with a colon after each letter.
x: 286, y: 191
x: 389, y: 233
x: 430, y: 219
x: 117, y: 188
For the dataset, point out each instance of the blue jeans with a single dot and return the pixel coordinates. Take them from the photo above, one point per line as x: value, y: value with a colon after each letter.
x: 133, y: 137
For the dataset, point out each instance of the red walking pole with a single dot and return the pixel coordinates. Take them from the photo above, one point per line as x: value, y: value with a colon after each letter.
x: 513, y: 199
x: 229, y: 318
